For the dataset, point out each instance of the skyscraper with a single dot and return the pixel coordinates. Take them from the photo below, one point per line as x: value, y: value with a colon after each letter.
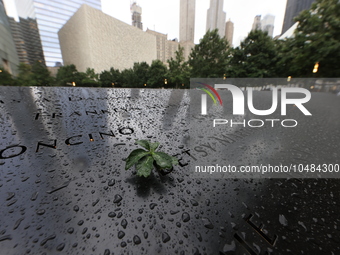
x: 136, y: 12
x: 27, y: 40
x: 51, y: 16
x: 293, y: 8
x: 257, y: 23
x: 229, y: 32
x: 216, y: 17
x: 187, y: 21
x: 268, y: 24
x: 8, y: 54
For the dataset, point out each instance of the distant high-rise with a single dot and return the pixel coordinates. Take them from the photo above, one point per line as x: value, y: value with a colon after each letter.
x: 187, y: 21
x: 293, y: 8
x: 8, y: 54
x: 216, y: 17
x: 27, y: 40
x: 257, y: 23
x: 51, y: 16
x: 136, y: 16
x: 229, y: 32
x: 268, y: 24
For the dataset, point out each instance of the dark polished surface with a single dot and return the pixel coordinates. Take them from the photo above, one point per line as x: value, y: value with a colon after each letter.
x: 64, y: 190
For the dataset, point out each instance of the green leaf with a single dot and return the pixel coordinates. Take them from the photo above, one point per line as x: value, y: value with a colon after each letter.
x: 144, y: 166
x: 162, y: 159
x: 174, y: 161
x: 144, y: 143
x: 134, y: 157
x: 154, y: 146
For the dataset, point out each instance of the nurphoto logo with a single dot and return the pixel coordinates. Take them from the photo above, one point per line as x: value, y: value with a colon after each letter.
x: 238, y: 106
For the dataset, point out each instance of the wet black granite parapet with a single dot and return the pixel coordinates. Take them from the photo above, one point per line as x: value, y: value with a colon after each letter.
x: 64, y: 190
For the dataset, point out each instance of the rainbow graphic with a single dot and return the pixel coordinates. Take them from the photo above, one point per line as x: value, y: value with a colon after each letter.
x: 206, y: 90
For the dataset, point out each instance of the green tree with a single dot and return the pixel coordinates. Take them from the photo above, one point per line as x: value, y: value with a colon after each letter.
x: 111, y: 78
x: 256, y: 57
x: 140, y: 74
x: 40, y: 75
x: 209, y: 58
x: 89, y: 78
x: 5, y: 77
x: 67, y: 75
x: 157, y: 74
x: 127, y: 78
x: 25, y: 76
x: 179, y: 71
x: 317, y: 39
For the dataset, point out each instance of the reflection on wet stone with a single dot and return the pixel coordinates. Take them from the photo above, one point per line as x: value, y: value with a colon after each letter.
x: 64, y: 188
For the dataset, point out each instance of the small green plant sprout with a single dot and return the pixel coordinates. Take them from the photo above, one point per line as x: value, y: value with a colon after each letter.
x: 146, y: 160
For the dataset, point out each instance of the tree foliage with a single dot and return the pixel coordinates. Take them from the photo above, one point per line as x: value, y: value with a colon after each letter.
x: 209, y: 58
x: 35, y: 75
x: 5, y: 77
x: 156, y: 74
x: 256, y: 57
x: 179, y: 71
x: 317, y: 39
x: 67, y: 75
x: 111, y: 78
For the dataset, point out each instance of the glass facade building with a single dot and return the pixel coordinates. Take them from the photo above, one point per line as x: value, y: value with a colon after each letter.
x: 8, y: 54
x: 293, y: 8
x: 51, y: 15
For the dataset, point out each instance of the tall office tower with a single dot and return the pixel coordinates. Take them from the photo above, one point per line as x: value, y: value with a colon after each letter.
x: 27, y: 40
x: 229, y: 32
x: 187, y: 21
x: 216, y: 17
x: 268, y: 24
x: 51, y: 16
x: 257, y: 23
x: 8, y: 54
x: 293, y: 8
x: 136, y: 16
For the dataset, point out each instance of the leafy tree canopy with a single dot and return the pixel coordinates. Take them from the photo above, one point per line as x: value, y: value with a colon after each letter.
x: 209, y: 58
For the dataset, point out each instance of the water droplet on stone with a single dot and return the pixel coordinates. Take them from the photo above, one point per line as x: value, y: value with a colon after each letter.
x: 153, y: 205
x: 165, y: 237
x: 111, y: 182
x: 283, y: 220
x: 136, y: 239
x: 41, y: 212
x: 207, y: 223
x: 185, y: 217
x: 121, y: 234
x: 117, y: 199
x: 112, y: 214
x: 60, y: 247
x: 124, y: 223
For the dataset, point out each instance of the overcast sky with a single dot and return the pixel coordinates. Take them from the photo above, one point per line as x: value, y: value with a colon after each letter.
x: 163, y: 15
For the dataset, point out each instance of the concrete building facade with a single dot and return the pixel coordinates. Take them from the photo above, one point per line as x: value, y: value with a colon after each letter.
x: 161, y: 44
x: 8, y: 54
x: 216, y: 17
x: 229, y: 32
x: 166, y: 49
x: 93, y: 39
x: 27, y: 40
x: 51, y: 16
x: 187, y: 21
